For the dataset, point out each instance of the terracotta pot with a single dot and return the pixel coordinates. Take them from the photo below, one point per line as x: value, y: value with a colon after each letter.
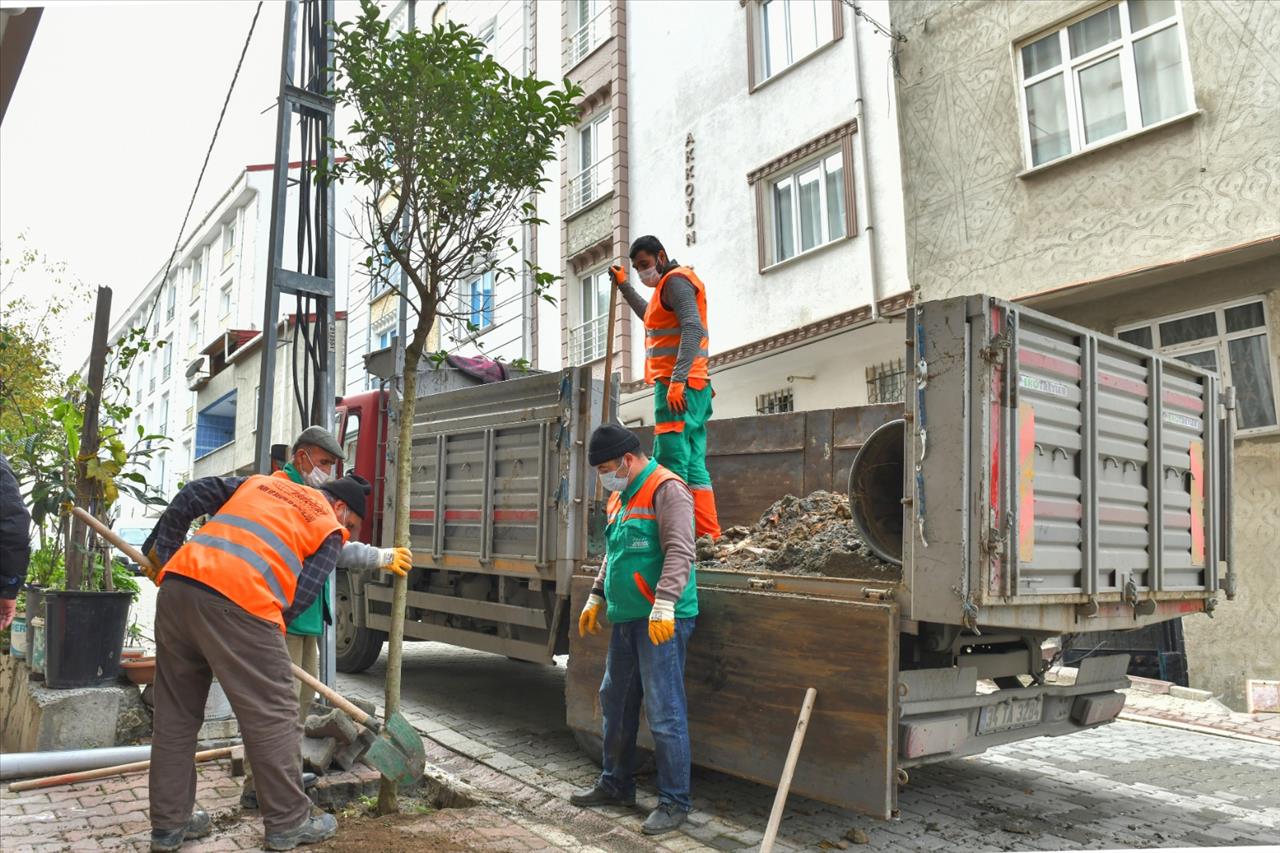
x: 132, y: 654
x: 140, y: 670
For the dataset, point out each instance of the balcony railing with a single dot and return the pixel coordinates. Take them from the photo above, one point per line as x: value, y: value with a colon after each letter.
x: 587, y: 342
x: 590, y: 184
x: 589, y: 36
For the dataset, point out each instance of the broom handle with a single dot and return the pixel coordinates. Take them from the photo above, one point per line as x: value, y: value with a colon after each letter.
x: 788, y: 770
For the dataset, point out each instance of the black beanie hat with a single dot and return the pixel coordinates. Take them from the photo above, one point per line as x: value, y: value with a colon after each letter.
x: 610, y: 441
x: 353, y: 490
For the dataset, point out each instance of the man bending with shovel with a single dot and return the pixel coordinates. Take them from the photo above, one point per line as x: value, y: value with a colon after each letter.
x: 225, y: 598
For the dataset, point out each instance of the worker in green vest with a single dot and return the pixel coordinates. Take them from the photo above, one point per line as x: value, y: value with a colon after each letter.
x: 313, y: 462
x: 648, y: 590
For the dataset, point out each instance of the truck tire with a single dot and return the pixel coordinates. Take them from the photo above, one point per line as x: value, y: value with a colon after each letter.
x: 357, y: 648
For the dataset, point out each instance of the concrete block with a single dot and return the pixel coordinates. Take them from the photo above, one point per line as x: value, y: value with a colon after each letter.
x: 35, y: 718
x: 335, y: 724
x: 1190, y: 693
x: 317, y: 753
x: 347, y: 756
x: 1149, y: 685
x: 237, y: 761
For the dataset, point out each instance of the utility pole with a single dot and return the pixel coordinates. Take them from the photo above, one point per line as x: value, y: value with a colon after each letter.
x: 77, y: 554
x: 312, y: 100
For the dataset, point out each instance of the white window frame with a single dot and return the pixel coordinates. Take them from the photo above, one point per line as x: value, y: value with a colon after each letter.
x: 592, y: 181
x: 224, y: 301
x: 760, y: 48
x: 588, y: 339
x: 1070, y: 67
x: 480, y: 328
x: 587, y: 35
x: 171, y: 300
x: 791, y: 176
x: 228, y: 243
x: 1218, y: 343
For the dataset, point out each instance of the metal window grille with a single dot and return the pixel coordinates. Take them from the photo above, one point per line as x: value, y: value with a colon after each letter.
x: 590, y: 184
x: 885, y: 382
x: 587, y: 342
x: 776, y: 402
x: 588, y: 36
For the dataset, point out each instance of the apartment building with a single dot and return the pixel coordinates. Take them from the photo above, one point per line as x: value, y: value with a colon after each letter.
x: 1116, y: 164
x: 215, y: 293
x: 758, y: 141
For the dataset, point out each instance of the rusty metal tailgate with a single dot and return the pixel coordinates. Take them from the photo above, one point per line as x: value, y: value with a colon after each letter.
x: 750, y: 660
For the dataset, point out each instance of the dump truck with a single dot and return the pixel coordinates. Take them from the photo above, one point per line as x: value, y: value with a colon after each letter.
x: 1038, y: 480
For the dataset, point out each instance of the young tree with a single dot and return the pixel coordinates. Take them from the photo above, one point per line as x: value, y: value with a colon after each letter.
x: 449, y: 146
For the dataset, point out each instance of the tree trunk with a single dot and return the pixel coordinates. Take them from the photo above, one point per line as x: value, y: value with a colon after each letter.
x: 387, y: 798
x: 79, y: 558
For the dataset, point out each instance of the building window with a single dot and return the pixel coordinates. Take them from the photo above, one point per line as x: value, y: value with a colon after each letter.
x: 224, y: 303
x: 162, y: 427
x: 1112, y: 72
x: 790, y: 30
x: 1231, y: 339
x: 228, y: 242
x: 480, y: 303
x: 885, y: 382
x: 594, y: 162
x: 589, y: 27
x: 487, y: 32
x: 197, y: 274
x: 166, y: 359
x: 193, y: 333
x: 776, y: 402
x: 216, y: 425
x: 387, y: 338
x: 588, y: 339
x: 384, y: 268
x: 170, y: 299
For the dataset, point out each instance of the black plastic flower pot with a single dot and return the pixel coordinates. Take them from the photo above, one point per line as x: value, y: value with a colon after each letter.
x: 84, y: 633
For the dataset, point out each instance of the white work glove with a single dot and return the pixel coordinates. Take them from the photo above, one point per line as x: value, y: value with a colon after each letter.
x: 589, y: 619
x: 662, y: 621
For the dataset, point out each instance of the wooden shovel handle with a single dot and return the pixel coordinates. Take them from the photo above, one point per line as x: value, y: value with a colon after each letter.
x: 102, y: 772
x: 114, y: 538
x: 341, y: 702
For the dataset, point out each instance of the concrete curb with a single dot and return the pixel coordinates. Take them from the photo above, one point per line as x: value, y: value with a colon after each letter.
x: 1192, y: 727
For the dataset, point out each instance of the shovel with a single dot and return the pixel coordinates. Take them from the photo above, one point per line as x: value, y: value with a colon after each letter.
x: 396, y: 751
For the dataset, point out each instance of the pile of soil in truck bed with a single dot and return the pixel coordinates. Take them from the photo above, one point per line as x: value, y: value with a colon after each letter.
x: 813, y: 535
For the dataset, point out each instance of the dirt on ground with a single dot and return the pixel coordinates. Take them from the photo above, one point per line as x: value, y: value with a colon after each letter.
x: 362, y: 831
x: 813, y: 535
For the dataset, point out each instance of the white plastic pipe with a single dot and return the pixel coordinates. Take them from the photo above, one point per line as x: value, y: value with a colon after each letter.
x: 15, y: 765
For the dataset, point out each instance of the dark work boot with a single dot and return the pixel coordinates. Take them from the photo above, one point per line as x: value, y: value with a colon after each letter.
x: 597, y: 796
x: 666, y: 817
x: 313, y: 829
x: 198, y: 826
x: 249, y: 796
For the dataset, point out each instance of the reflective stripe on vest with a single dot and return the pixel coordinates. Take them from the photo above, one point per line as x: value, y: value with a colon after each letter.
x: 252, y: 550
x: 662, y: 332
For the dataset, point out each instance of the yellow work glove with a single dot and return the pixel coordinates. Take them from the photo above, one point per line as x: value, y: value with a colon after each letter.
x: 589, y: 619
x: 675, y: 397
x: 156, y: 564
x: 618, y: 275
x: 398, y: 561
x: 662, y: 622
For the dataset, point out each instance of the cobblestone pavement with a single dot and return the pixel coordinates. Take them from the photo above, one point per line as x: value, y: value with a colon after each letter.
x: 1129, y: 784
x: 1208, y: 713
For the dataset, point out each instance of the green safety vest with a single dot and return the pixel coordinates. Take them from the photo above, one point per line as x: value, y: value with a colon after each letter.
x: 310, y: 622
x: 634, y: 552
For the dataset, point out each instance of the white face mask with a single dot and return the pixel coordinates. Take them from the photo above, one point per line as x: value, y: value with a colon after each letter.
x: 615, y: 480
x: 649, y: 277
x: 316, y: 477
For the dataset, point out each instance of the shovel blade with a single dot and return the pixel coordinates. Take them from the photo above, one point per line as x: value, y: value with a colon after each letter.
x: 397, y: 752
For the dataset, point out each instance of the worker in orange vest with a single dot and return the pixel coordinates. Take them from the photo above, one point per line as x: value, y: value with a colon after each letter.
x: 675, y: 363
x: 225, y: 597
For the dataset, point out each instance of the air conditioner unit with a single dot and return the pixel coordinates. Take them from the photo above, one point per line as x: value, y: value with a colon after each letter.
x: 198, y: 373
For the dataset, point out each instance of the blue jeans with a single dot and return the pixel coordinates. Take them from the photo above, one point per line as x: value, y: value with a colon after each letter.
x: 637, y: 670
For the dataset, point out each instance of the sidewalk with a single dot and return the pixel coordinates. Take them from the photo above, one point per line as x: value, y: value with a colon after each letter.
x: 1204, y: 714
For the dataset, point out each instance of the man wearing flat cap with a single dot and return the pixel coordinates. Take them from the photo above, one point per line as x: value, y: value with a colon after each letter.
x: 648, y: 590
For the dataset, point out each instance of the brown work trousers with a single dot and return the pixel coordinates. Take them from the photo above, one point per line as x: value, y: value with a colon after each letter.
x: 200, y: 634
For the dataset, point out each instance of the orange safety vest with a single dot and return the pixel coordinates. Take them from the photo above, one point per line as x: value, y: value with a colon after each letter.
x: 252, y: 549
x: 662, y: 334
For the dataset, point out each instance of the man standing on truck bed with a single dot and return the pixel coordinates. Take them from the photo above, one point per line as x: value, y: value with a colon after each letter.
x: 675, y: 363
x: 649, y: 582
x: 225, y: 598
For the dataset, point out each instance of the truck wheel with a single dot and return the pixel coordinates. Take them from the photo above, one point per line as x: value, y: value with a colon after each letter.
x: 358, y: 648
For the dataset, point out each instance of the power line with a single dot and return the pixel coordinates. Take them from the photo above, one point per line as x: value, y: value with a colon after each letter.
x: 191, y: 204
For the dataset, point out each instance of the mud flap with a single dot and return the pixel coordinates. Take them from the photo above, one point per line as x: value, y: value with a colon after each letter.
x: 750, y: 659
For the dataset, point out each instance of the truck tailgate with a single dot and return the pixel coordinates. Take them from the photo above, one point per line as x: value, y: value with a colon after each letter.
x: 750, y: 659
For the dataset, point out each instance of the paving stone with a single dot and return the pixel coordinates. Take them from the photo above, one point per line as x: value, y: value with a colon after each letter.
x: 317, y: 753
x: 335, y: 724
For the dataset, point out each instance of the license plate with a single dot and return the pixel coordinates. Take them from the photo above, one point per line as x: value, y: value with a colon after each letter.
x: 1013, y: 714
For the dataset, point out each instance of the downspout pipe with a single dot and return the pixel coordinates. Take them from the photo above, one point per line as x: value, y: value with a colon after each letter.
x: 860, y: 154
x: 19, y: 765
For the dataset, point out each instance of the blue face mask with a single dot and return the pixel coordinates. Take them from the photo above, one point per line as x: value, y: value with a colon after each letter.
x: 615, y: 480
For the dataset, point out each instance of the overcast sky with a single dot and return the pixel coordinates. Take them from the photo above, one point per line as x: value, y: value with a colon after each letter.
x: 103, y: 140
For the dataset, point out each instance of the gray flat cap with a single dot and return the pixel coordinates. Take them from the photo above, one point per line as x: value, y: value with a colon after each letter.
x: 314, y: 436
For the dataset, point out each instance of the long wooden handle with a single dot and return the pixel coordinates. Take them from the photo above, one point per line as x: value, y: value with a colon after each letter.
x: 114, y: 538
x: 101, y: 772
x: 606, y: 406
x: 788, y: 770
x: 339, y: 701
